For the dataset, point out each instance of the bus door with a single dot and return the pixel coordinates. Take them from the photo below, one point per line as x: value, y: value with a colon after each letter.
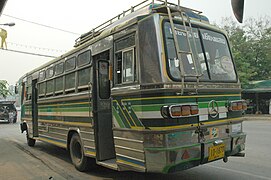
x: 34, y: 107
x: 102, y: 110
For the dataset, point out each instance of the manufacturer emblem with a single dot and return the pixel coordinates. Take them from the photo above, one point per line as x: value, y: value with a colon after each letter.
x: 213, y: 108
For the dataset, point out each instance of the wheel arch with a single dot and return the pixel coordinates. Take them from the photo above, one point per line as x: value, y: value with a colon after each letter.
x: 71, y: 132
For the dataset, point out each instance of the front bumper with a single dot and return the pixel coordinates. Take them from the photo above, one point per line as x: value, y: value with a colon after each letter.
x: 4, y: 120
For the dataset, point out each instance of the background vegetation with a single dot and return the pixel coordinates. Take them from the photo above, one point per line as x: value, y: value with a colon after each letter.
x: 251, y: 48
x: 4, y: 92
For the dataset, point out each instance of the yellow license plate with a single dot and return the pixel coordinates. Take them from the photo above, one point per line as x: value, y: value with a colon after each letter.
x: 216, y: 152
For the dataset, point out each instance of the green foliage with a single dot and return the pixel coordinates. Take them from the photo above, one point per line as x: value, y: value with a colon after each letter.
x: 4, y: 92
x: 251, y: 48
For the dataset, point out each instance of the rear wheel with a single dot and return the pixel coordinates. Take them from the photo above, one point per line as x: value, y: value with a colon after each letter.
x: 79, y: 160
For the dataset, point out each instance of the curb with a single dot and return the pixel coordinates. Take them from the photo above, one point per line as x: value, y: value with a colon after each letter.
x: 252, y: 117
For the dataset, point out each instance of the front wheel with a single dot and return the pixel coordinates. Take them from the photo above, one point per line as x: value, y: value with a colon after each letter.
x: 79, y: 160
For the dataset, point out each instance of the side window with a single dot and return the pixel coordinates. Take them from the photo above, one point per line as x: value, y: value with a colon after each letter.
x: 83, y: 58
x: 50, y: 72
x: 41, y: 88
x: 83, y: 77
x: 49, y: 87
x: 128, y: 66
x: 70, y: 64
x: 125, y: 62
x: 29, y: 88
x: 41, y: 75
x: 59, y: 85
x: 59, y: 68
x: 70, y: 82
x: 70, y: 78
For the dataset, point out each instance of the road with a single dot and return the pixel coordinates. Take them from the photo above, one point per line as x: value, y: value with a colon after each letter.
x: 45, y: 161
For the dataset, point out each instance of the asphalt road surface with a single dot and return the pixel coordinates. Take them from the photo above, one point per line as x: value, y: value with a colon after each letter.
x: 45, y: 161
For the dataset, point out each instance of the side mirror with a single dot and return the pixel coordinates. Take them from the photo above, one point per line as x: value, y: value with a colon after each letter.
x: 238, y: 9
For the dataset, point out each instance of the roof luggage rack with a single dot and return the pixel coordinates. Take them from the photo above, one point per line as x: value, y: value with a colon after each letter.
x: 154, y: 5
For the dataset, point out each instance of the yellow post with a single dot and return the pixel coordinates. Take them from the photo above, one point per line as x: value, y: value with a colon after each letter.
x: 3, y: 35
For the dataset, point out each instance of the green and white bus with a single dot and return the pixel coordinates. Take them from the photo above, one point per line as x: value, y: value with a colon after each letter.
x: 153, y: 89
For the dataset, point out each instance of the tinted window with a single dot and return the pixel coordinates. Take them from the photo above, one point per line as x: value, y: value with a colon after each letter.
x: 59, y: 68
x: 49, y: 86
x: 218, y: 56
x: 187, y: 60
x: 84, y: 77
x: 215, y: 63
x: 70, y: 64
x: 50, y: 72
x: 125, y: 42
x: 41, y: 75
x: 70, y: 81
x: 83, y: 58
x: 59, y: 84
x: 42, y: 88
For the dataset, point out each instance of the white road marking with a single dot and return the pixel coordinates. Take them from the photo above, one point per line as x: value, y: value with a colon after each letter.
x: 240, y: 172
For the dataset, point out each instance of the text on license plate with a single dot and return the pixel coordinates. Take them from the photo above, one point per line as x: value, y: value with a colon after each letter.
x: 216, y: 152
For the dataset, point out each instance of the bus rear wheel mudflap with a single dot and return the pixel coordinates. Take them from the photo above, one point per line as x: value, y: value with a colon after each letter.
x: 79, y: 160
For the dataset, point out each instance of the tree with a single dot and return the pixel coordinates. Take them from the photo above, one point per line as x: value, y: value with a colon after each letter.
x: 251, y: 48
x: 4, y: 92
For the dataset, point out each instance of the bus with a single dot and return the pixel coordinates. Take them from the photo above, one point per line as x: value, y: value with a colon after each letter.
x: 153, y: 89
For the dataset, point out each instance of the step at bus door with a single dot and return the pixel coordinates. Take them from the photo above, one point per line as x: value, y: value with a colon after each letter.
x: 34, y: 100
x: 102, y: 111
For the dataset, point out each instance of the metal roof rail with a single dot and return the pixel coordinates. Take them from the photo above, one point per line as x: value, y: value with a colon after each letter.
x: 153, y: 5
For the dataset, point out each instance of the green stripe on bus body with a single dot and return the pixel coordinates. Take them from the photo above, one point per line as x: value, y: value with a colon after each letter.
x: 131, y: 114
x: 223, y: 96
x: 70, y: 109
x: 118, y: 118
x: 179, y: 99
x: 167, y: 168
x: 120, y: 113
x: 219, y: 103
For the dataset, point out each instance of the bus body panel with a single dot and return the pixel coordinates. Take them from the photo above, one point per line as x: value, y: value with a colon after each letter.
x: 125, y: 122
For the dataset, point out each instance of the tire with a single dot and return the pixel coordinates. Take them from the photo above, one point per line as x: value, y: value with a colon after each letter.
x: 79, y: 160
x: 30, y: 142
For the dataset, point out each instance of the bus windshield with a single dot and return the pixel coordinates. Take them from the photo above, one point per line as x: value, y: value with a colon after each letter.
x: 211, y: 56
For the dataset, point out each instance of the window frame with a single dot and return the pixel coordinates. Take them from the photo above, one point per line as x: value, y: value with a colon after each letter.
x: 134, y: 60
